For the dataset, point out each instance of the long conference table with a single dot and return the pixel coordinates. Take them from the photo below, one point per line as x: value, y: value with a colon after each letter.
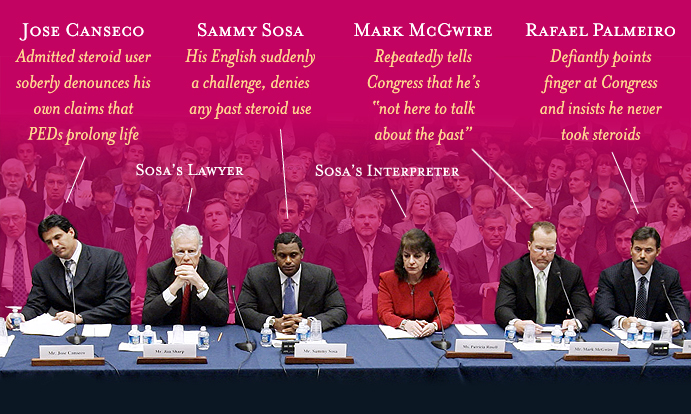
x: 376, y: 359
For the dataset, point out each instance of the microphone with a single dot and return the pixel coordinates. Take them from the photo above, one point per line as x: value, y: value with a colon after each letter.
x: 75, y: 339
x: 248, y: 346
x: 579, y: 338
x: 443, y: 344
x: 678, y: 341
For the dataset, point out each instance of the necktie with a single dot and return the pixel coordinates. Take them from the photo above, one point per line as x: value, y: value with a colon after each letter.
x: 567, y: 256
x: 464, y: 208
x: 500, y: 198
x: 641, y: 299
x: 639, y: 191
x: 18, y: 282
x: 185, y: 310
x: 106, y: 228
x: 140, y: 269
x: 169, y: 226
x: 370, y: 288
x: 601, y: 242
x: 52, y: 213
x: 304, y: 226
x: 289, y: 307
x: 234, y: 224
x: 581, y: 206
x: 541, y: 298
x: 68, y: 275
x: 29, y: 181
x: 494, y: 269
x: 219, y: 255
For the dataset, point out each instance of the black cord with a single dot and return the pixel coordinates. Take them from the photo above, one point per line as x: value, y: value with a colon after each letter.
x: 280, y: 361
x: 555, y: 362
x: 438, y: 361
x: 650, y: 360
x: 318, y: 370
x: 249, y: 354
x: 111, y: 365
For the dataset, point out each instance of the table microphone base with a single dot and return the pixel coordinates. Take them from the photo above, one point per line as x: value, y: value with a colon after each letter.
x: 247, y: 346
x: 580, y: 339
x: 76, y: 339
x: 442, y: 344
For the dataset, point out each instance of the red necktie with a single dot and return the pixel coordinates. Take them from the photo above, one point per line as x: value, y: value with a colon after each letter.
x: 568, y: 255
x: 185, y: 312
x: 140, y: 280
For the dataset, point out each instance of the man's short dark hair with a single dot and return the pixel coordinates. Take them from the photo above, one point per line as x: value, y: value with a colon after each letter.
x: 103, y: 184
x: 149, y: 195
x: 220, y: 201
x: 287, y: 238
x: 623, y: 226
x: 292, y: 197
x: 645, y: 233
x: 55, y: 220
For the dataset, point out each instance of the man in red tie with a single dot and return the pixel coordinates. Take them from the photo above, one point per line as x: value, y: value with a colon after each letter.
x: 599, y: 228
x: 188, y: 288
x: 584, y: 255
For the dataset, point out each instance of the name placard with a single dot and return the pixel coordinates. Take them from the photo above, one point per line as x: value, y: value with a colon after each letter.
x: 170, y: 350
x: 481, y: 346
x: 687, y: 346
x: 66, y: 351
x: 317, y: 350
x: 594, y: 348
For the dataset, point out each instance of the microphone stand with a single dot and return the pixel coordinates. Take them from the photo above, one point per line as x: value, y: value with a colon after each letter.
x: 579, y: 338
x: 247, y: 346
x: 443, y: 344
x: 75, y: 339
x: 680, y: 340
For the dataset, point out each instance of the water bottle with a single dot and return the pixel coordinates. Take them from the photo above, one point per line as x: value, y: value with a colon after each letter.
x: 648, y: 332
x: 15, y: 317
x: 316, y: 330
x: 133, y: 336
x: 510, y: 332
x: 556, y: 335
x: 632, y: 332
x: 267, y: 335
x: 203, y: 339
x: 302, y: 331
x: 666, y: 333
x: 570, y: 335
x: 148, y: 336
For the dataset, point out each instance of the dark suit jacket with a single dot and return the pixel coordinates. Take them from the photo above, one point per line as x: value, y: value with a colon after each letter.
x: 678, y: 256
x: 344, y: 256
x: 560, y: 206
x: 36, y: 212
x: 336, y: 209
x: 122, y: 219
x: 540, y: 187
x: 253, y: 224
x: 588, y: 259
x: 473, y: 273
x: 611, y: 257
x: 652, y: 182
x: 323, y: 225
x: 36, y: 250
x: 244, y: 254
x: 124, y: 242
x: 318, y: 297
x: 516, y: 294
x: 26, y: 195
x: 314, y: 246
x: 451, y: 203
x: 183, y: 217
x: 212, y: 310
x: 593, y: 227
x: 101, y: 287
x: 616, y: 294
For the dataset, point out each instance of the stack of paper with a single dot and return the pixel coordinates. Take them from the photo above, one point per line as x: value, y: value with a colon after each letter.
x: 45, y: 325
x: 393, y: 333
x: 97, y: 330
x: 471, y: 329
x: 5, y: 346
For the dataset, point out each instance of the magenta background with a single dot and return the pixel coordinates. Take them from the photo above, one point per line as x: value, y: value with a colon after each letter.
x: 512, y: 67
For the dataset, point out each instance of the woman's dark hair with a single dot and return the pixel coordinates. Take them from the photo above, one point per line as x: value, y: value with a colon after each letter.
x: 416, y: 240
x: 55, y: 220
x: 681, y: 200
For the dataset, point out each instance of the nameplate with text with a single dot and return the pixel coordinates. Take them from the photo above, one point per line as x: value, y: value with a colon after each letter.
x: 170, y: 350
x: 594, y: 348
x: 66, y: 351
x: 317, y: 350
x: 481, y: 346
x: 687, y: 346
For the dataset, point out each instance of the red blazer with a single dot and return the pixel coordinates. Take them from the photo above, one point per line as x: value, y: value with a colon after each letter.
x: 396, y: 303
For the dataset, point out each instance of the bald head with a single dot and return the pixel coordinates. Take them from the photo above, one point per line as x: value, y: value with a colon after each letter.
x: 13, y: 173
x: 608, y: 205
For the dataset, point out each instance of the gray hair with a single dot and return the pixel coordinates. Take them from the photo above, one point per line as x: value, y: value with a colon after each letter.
x: 185, y: 230
x: 306, y: 184
x: 13, y: 162
x: 572, y: 212
x: 172, y: 189
x: 442, y: 222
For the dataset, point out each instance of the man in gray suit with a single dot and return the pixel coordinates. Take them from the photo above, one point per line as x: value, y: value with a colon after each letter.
x: 285, y: 292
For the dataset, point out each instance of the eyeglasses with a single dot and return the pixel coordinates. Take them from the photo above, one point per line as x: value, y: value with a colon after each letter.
x: 541, y: 250
x: 190, y: 253
x: 15, y: 218
x: 173, y: 206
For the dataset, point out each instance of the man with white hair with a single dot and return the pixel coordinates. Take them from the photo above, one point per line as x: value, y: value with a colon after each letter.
x: 188, y: 288
x: 13, y: 177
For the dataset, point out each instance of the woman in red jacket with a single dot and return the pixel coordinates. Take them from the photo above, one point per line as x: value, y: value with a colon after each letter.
x: 404, y: 300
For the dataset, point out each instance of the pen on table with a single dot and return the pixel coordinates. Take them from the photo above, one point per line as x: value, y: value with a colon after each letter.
x: 470, y: 329
x: 219, y: 337
x: 607, y: 332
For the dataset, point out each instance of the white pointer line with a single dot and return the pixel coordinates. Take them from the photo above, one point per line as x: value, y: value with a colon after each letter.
x: 74, y: 184
x: 283, y: 163
x: 397, y: 202
x: 502, y: 178
x: 625, y: 184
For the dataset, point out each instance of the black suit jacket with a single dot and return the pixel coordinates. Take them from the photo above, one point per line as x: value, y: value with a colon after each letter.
x: 318, y: 296
x: 652, y: 182
x: 243, y: 255
x: 560, y: 206
x: 473, y: 273
x: 516, y: 294
x: 124, y: 242
x: 678, y: 256
x: 323, y: 225
x: 345, y: 257
x: 451, y: 203
x: 313, y: 244
x: 101, y: 287
x: 611, y: 257
x: 616, y: 294
x: 588, y: 259
x: 36, y: 251
x: 212, y: 310
x: 540, y: 187
x: 26, y: 195
x: 253, y: 224
x: 36, y: 212
x: 593, y: 227
x: 93, y: 233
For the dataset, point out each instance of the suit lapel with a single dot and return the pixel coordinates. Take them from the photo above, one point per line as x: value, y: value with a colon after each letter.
x: 654, y: 288
x: 481, y: 263
x: 274, y: 287
x: 628, y: 286
x: 157, y: 245
x: 358, y: 257
x: 529, y: 282
x: 306, y: 289
x: 553, y: 284
x: 83, y: 265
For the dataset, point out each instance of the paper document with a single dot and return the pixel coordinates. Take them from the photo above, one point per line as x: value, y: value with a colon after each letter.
x: 127, y: 347
x: 540, y: 346
x: 97, y: 330
x: 45, y: 325
x: 471, y: 329
x: 191, y: 337
x: 280, y: 336
x: 5, y: 345
x: 645, y: 345
x: 393, y: 333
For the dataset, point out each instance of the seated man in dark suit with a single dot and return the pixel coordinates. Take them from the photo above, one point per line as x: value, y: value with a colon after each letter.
x: 316, y: 221
x: 285, y: 292
x: 678, y: 256
x: 599, y: 227
x: 579, y: 188
x: 13, y: 175
x: 554, y: 188
x: 530, y: 289
x: 188, y: 288
x: 174, y: 212
x: 622, y: 241
x: 457, y: 203
x: 105, y: 217
x: 97, y: 276
x: 55, y: 185
x: 637, y: 288
x: 585, y: 256
x: 244, y: 224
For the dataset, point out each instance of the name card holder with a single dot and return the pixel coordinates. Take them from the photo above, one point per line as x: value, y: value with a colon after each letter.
x: 595, y: 352
x: 66, y: 355
x: 319, y: 353
x: 171, y: 354
x: 480, y: 349
x: 686, y: 351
